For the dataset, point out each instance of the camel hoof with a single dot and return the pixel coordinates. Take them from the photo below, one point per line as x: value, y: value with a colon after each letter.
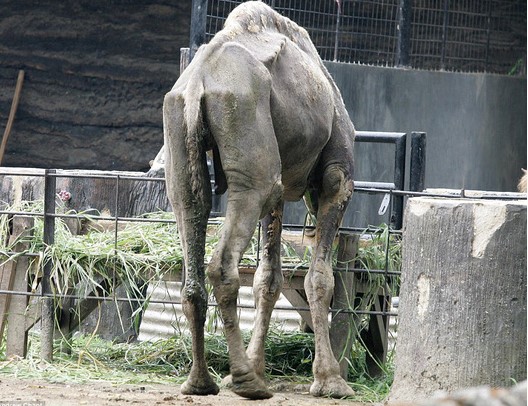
x: 335, y: 387
x: 249, y: 386
x: 227, y: 381
x: 199, y: 388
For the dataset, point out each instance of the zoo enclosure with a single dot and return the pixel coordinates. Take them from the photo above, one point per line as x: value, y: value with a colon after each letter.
x: 467, y: 36
x: 47, y: 296
x: 49, y: 215
x: 379, y: 313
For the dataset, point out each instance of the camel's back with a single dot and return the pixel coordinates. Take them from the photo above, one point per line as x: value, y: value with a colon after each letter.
x: 304, y: 100
x: 267, y: 35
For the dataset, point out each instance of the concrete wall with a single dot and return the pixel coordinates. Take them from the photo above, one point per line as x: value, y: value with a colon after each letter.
x: 475, y: 124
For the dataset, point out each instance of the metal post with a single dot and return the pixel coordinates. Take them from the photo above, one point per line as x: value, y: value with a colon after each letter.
x: 488, y: 33
x: 417, y: 167
x: 198, y: 25
x: 404, y: 33
x: 399, y: 179
x: 338, y: 22
x: 444, y: 33
x: 48, y: 311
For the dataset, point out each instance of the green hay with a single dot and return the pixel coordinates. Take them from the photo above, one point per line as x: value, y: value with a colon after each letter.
x: 145, y: 253
x: 289, y: 357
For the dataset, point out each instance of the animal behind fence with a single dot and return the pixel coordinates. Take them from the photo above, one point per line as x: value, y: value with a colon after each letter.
x: 258, y: 96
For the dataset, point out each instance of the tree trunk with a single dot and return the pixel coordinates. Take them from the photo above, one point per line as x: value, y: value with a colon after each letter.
x: 134, y: 197
x: 463, y: 297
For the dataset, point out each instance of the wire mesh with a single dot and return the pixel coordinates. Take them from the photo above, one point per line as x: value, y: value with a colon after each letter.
x: 469, y: 36
x: 465, y: 35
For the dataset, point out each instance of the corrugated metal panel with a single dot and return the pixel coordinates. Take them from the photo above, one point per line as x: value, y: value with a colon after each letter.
x: 393, y: 323
x: 165, y: 320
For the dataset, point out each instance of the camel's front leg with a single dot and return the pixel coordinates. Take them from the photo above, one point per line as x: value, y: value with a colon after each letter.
x: 267, y: 286
x: 319, y: 282
x: 241, y: 219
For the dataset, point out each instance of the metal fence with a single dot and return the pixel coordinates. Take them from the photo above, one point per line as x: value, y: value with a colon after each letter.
x: 50, y: 213
x: 107, y: 291
x: 468, y: 36
x: 352, y: 280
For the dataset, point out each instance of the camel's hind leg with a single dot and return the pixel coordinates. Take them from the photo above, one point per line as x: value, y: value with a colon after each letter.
x: 241, y: 123
x: 319, y: 282
x: 189, y: 191
x: 243, y: 211
x: 239, y: 118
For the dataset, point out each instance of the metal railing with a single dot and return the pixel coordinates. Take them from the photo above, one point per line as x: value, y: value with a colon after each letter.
x: 50, y: 213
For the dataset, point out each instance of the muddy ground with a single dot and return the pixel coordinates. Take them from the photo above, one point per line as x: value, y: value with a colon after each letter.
x: 15, y: 391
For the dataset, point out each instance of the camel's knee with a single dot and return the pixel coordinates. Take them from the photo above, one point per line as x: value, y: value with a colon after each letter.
x: 337, y: 183
x: 267, y: 284
x: 319, y: 282
x: 194, y: 299
x: 225, y: 286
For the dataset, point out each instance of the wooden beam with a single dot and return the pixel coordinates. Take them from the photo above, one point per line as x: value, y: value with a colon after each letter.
x: 376, y: 341
x: 86, y: 306
x: 16, y: 345
x: 12, y: 113
x: 343, y: 330
x: 33, y: 312
x: 297, y: 300
x: 7, y: 274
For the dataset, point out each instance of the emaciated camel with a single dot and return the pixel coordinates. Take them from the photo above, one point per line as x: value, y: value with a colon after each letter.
x: 258, y: 96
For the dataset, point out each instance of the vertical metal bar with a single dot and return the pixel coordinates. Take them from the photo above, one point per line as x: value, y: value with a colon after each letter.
x: 259, y: 236
x: 48, y: 316
x: 417, y: 167
x: 198, y: 25
x: 488, y: 34
x: 444, y: 33
x: 116, y: 227
x: 338, y: 21
x: 387, y: 249
x: 404, y: 33
x: 399, y: 178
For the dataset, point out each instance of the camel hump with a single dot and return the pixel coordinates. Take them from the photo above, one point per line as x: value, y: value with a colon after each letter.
x: 257, y: 17
x: 263, y: 31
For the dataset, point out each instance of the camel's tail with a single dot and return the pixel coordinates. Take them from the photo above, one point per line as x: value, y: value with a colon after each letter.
x: 186, y: 172
x: 195, y: 137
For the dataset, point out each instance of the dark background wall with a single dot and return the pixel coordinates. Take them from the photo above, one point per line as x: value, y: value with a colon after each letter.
x: 475, y: 123
x: 96, y: 72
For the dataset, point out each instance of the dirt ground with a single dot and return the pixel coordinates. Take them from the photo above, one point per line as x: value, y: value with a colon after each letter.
x: 15, y: 391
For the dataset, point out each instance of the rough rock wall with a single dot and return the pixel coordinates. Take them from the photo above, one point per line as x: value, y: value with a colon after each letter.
x: 96, y: 73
